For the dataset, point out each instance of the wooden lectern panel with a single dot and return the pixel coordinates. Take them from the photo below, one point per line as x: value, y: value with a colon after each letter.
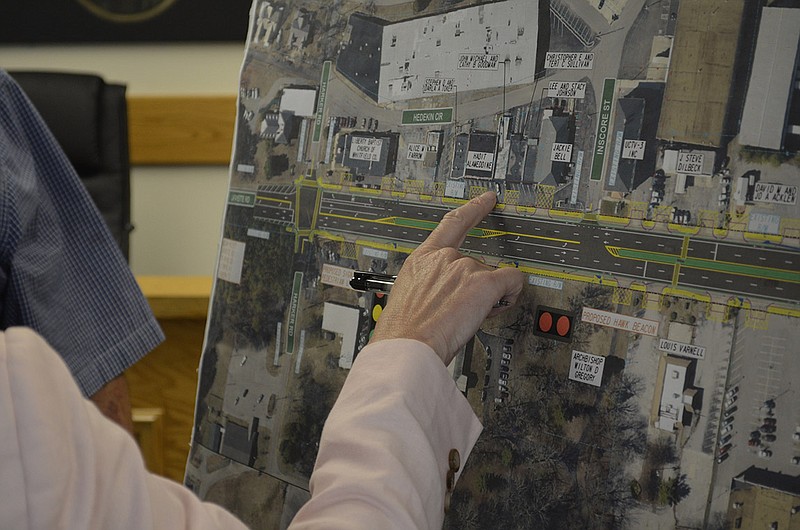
x: 181, y: 130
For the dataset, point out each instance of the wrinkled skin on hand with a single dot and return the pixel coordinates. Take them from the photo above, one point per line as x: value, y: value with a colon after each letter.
x: 441, y: 297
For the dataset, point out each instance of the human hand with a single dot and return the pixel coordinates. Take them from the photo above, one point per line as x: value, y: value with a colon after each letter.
x: 441, y: 297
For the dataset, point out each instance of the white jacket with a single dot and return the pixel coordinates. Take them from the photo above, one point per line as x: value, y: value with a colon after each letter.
x: 382, y: 462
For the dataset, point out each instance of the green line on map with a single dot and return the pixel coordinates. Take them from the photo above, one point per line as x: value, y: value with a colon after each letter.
x: 295, y: 302
x: 427, y: 116
x: 755, y: 271
x: 323, y: 92
x: 242, y: 198
x: 745, y: 270
x: 603, y: 128
x: 429, y: 225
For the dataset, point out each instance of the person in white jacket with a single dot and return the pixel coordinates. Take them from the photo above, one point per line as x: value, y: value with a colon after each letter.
x: 390, y: 451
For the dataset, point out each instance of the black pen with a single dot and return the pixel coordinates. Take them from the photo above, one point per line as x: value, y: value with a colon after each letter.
x: 382, y: 283
x: 372, y: 282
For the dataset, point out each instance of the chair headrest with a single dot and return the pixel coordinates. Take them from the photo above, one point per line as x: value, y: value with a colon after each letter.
x: 72, y: 106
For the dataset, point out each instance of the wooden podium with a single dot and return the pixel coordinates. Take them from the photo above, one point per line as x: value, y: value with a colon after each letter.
x: 163, y: 385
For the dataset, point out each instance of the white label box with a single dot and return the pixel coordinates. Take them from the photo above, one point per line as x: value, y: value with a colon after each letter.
x: 690, y: 163
x: 569, y: 61
x: 416, y: 151
x: 586, y: 368
x: 455, y: 188
x: 775, y: 193
x: 561, y: 153
x: 617, y: 321
x: 480, y: 160
x: 550, y: 283
x: 478, y: 61
x: 566, y: 89
x: 366, y: 148
x: 681, y: 348
x: 336, y: 276
x: 231, y: 260
x: 375, y: 253
x: 438, y: 85
x: 633, y: 149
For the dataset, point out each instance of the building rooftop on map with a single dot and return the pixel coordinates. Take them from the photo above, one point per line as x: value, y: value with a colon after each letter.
x: 459, y: 155
x: 392, y: 61
x: 299, y: 101
x: 630, y: 115
x: 481, y: 151
x: 343, y: 320
x: 518, y: 147
x: 268, y: 23
x: 678, y: 375
x: 237, y: 444
x: 369, y: 154
x: 277, y: 126
x: 760, y: 498
x: 637, y: 119
x: 687, y: 165
x: 555, y: 129
x: 300, y: 30
x: 772, y: 81
x: 701, y: 68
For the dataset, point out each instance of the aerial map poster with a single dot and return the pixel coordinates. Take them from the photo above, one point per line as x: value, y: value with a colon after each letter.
x: 645, y: 156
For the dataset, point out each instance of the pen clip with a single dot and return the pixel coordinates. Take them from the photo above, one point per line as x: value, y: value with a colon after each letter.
x: 371, y: 282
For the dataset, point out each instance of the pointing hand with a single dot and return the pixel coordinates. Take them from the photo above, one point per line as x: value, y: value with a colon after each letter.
x: 441, y: 297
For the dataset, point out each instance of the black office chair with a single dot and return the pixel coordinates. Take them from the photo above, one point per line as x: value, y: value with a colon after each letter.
x: 89, y: 118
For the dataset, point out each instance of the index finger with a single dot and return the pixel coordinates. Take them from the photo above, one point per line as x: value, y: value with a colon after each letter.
x: 454, y: 226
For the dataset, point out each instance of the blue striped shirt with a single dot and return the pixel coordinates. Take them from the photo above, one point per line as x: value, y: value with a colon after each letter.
x: 61, y: 272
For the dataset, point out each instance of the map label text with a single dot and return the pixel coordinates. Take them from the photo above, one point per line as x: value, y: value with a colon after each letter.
x: 617, y: 321
x: 416, y: 151
x: 438, y: 85
x: 567, y: 61
x: 586, y: 368
x: 478, y: 61
x: 681, y: 348
x: 775, y: 193
x: 566, y: 89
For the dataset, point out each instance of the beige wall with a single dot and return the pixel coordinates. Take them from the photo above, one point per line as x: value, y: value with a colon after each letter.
x: 177, y: 212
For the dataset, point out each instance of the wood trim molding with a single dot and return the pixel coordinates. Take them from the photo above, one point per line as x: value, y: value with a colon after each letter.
x: 148, y: 430
x: 177, y: 296
x: 181, y: 130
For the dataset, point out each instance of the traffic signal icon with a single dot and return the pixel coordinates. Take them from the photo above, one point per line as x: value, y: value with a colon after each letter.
x: 378, y: 303
x: 553, y: 323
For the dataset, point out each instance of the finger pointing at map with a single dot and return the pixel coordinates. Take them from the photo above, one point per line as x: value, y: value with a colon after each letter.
x: 440, y: 296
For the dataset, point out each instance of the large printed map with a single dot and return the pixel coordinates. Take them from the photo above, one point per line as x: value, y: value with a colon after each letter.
x: 645, y: 156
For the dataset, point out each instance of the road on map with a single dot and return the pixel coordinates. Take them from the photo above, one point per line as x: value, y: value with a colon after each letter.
x: 739, y: 269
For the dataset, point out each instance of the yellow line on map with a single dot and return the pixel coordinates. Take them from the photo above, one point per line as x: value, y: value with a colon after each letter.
x: 676, y: 270
x: 757, y: 268
x: 615, y: 251
x: 489, y: 233
x: 385, y: 246
x: 685, y: 293
x: 327, y: 235
x: 317, y: 202
x: 598, y: 280
x: 533, y: 236
x: 273, y: 199
x: 783, y: 311
x: 316, y: 209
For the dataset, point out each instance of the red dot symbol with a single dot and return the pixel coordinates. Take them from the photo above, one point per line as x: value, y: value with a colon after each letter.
x: 545, y: 321
x: 563, y: 325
